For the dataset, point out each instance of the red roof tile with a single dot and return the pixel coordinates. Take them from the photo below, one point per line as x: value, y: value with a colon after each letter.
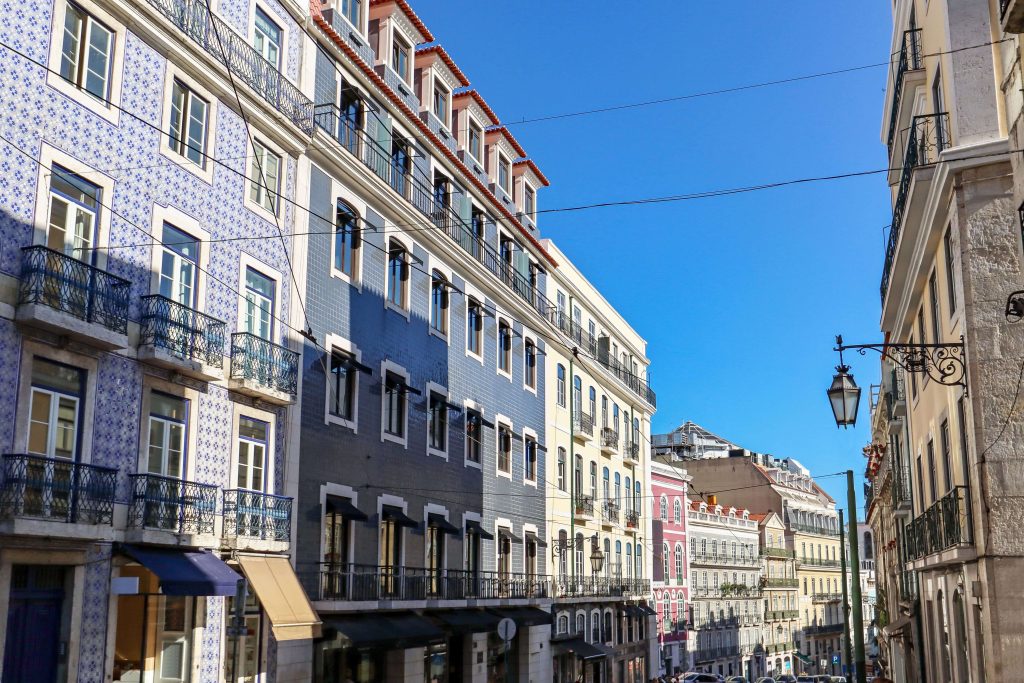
x: 407, y: 10
x: 447, y: 61
x: 502, y: 130
x: 536, y: 171
x: 475, y: 94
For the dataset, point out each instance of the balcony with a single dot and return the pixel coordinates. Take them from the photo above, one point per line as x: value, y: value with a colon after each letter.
x: 781, y: 614
x: 826, y: 597
x: 818, y: 562
x: 609, y: 513
x: 634, y: 383
x: 367, y: 583
x: 709, y: 654
x: 255, y: 520
x: 609, y: 440
x: 582, y: 426
x: 773, y: 582
x: 927, y: 137
x: 71, y: 298
x: 823, y: 629
x: 598, y: 586
x: 725, y: 559
x: 944, y: 525
x: 900, y: 488
x: 779, y: 648
x: 40, y: 489
x: 173, y: 505
x: 783, y: 553
x: 348, y: 33
x: 584, y: 508
x: 1011, y: 15
x: 193, y: 19
x: 631, y: 452
x: 181, y: 339
x: 909, y: 61
x: 263, y: 369
x: 816, y: 529
x: 632, y: 518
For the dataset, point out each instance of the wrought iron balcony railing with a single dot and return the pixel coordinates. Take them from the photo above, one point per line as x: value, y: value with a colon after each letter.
x: 707, y: 654
x: 171, y: 504
x: 778, y: 582
x: 609, y: 438
x: 813, y: 529
x: 818, y: 562
x: 822, y: 629
x: 610, y: 511
x: 778, y: 552
x: 257, y: 515
x: 183, y: 331
x: 56, y: 489
x: 194, y: 19
x: 909, y: 60
x: 776, y: 648
x: 781, y: 614
x: 598, y: 586
x: 271, y: 365
x: 632, y: 519
x: 584, y: 505
x: 927, y: 136
x: 583, y: 423
x: 946, y: 524
x: 900, y: 488
x: 631, y: 451
x: 358, y: 582
x: 74, y: 287
x: 826, y: 597
x: 725, y: 559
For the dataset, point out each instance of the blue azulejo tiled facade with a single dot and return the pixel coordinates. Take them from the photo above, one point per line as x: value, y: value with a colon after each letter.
x: 145, y: 297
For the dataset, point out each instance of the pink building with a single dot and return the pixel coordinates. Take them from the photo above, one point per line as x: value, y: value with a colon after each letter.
x: 671, y: 568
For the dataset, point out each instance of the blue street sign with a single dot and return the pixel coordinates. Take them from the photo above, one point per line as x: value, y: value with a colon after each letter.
x: 835, y: 658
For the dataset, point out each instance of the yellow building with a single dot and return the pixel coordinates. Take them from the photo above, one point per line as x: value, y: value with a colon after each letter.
x: 780, y: 586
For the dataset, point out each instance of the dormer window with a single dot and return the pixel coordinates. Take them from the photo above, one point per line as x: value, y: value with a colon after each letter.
x: 400, y: 58
x: 529, y: 201
x: 441, y: 104
x: 476, y: 134
x: 351, y: 9
x: 504, y: 175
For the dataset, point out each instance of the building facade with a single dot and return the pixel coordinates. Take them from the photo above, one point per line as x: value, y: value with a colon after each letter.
x: 146, y: 306
x: 952, y: 258
x: 671, y: 568
x: 599, y: 410
x: 780, y: 589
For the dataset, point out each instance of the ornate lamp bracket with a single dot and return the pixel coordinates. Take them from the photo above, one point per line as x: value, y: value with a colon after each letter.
x: 944, y: 363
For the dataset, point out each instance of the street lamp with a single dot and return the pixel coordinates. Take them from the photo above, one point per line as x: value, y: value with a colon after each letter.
x: 844, y: 395
x: 596, y: 556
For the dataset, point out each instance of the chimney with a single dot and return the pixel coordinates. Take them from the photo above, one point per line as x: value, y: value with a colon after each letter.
x: 712, y: 500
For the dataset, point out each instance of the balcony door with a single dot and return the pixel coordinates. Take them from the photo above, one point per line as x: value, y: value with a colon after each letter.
x: 174, y: 639
x: 178, y: 266
x: 252, y: 454
x: 74, y: 206
x: 259, y: 304
x: 54, y: 415
x: 390, y: 556
x: 166, y: 458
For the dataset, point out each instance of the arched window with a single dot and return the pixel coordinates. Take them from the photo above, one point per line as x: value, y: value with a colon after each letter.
x: 629, y: 495
x: 563, y: 623
x: 563, y: 546
x: 629, y: 560
x: 679, y: 561
x: 560, y: 383
x: 639, y: 562
x: 593, y: 402
x: 608, y: 627
x: 664, y: 509
x: 618, y: 490
x: 577, y: 396
x: 607, y: 555
x: 581, y: 623
x: 439, y: 303
x: 618, y: 558
x: 664, y: 558
x: 677, y: 511
x: 346, y: 239
x: 636, y: 495
x: 605, y: 484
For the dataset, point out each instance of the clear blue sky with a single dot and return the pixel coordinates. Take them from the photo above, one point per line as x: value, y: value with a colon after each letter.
x: 738, y: 297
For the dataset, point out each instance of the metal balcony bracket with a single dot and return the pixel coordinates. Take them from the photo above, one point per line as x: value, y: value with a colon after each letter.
x: 944, y: 363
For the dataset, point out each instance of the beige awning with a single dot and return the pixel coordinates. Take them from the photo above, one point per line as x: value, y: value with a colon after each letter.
x: 281, y: 596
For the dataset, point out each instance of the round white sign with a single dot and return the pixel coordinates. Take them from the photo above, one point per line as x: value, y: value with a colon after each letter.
x: 506, y: 629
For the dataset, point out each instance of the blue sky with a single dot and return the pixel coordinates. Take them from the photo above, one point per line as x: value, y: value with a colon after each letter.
x: 739, y: 297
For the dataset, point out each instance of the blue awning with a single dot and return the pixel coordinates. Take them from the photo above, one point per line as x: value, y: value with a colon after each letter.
x: 186, y: 572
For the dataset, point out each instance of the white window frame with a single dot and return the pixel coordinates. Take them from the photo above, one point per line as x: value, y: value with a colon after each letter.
x: 269, y: 469
x: 468, y: 405
x: 497, y: 173
x: 188, y: 224
x: 341, y: 193
x: 530, y: 434
x: 251, y: 175
x: 530, y: 337
x: 410, y: 44
x: 435, y: 388
x: 499, y: 319
x: 532, y: 191
x: 246, y: 261
x: 406, y: 311
x: 470, y: 125
x: 499, y: 422
x: 281, y: 23
x: 471, y: 292
x: 439, y: 85
x: 435, y: 264
x: 172, y: 73
x: 387, y: 366
x: 332, y: 342
x: 191, y: 396
x: 110, y: 112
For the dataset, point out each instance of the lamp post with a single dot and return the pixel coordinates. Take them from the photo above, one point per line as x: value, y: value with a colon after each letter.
x: 844, y: 394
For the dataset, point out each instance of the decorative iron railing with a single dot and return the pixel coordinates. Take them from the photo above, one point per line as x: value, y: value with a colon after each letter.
x: 944, y: 525
x: 357, y: 582
x: 598, y: 586
x: 821, y: 629
x: 784, y: 553
x: 632, y: 451
x: 271, y: 365
x: 609, y: 438
x: 610, y: 511
x: 632, y: 519
x: 71, y: 286
x: 900, y: 488
x: 777, y: 582
x: 584, y: 505
x: 583, y: 423
x: 56, y: 489
x: 194, y: 19
x: 813, y: 529
x: 725, y: 559
x: 183, y: 331
x: 257, y: 515
x: 909, y: 60
x: 781, y: 614
x: 818, y: 561
x: 171, y: 504
x: 707, y: 654
x: 928, y: 136
x: 826, y: 597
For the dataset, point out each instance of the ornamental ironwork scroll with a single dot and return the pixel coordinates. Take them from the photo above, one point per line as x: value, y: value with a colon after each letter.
x: 944, y: 363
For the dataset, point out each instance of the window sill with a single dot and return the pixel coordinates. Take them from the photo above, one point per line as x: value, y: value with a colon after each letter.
x: 258, y: 209
x: 352, y: 281
x: 204, y: 174
x: 506, y: 375
x: 394, y: 438
x: 440, y: 335
x: 530, y: 482
x: 466, y: 462
x: 504, y: 475
x: 437, y: 453
x: 532, y: 390
x: 476, y: 357
x: 342, y: 422
x: 109, y: 112
x: 404, y: 312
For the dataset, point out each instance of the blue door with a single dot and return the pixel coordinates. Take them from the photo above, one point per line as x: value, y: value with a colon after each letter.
x: 32, y: 649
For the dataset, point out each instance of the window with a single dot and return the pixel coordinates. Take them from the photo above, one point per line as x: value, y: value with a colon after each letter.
x: 252, y: 454
x: 578, y: 476
x: 54, y: 412
x: 950, y: 268
x: 560, y: 383
x: 933, y: 294
x: 475, y: 136
x: 563, y: 624
x: 437, y: 427
x: 504, y: 175
x: 530, y: 459
x: 504, y: 449
x: 593, y: 480
x: 73, y: 212
x: 439, y: 303
x: 346, y: 239
x: 530, y: 364
x: 475, y: 328
x: 441, y: 100
x: 477, y: 227
x: 259, y: 303
x: 265, y: 177
x: 351, y: 10
x: 267, y: 38
x: 342, y: 397
x: 474, y: 432
x: 178, y: 266
x: 605, y: 485
x: 577, y: 395
x: 401, y: 164
x: 664, y: 509
x: 189, y: 120
x: 400, y: 58
x: 561, y: 468
x: 505, y: 347
x: 167, y: 428
x: 394, y: 404
x: 677, y: 511
x: 86, y: 52
x: 350, y: 118
x: 933, y: 473
x: 947, y: 458
x: 530, y: 202
x: 398, y: 275
x: 592, y: 405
